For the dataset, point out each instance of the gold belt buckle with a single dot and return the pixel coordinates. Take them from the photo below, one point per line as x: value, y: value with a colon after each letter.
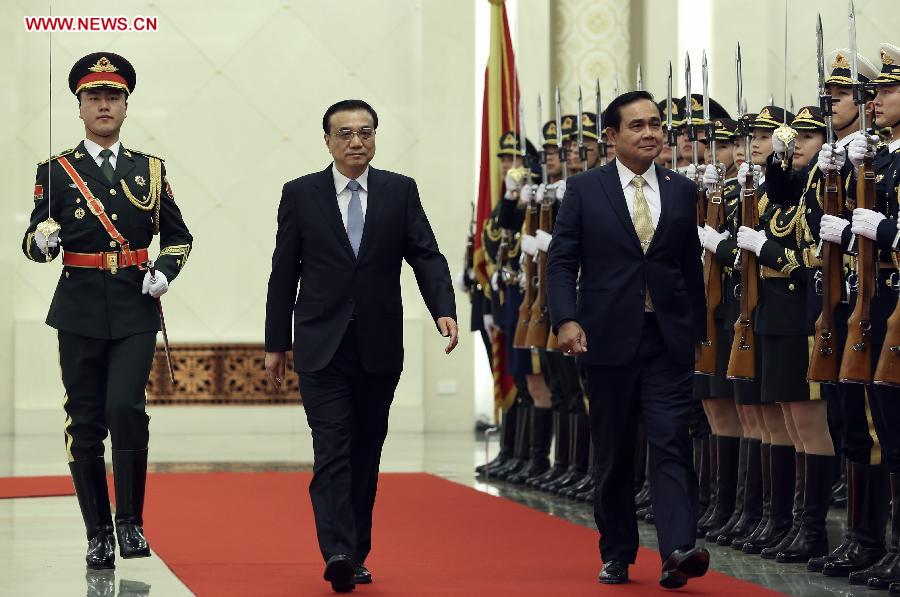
x: 112, y: 262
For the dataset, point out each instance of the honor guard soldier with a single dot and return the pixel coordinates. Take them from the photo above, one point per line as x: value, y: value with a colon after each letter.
x: 100, y: 204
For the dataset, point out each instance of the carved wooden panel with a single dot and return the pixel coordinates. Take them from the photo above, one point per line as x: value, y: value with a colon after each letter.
x: 218, y: 374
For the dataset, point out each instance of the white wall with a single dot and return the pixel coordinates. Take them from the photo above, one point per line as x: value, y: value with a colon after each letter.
x: 232, y: 94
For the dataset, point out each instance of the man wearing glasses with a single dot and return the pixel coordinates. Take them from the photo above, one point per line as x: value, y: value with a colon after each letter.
x: 345, y: 232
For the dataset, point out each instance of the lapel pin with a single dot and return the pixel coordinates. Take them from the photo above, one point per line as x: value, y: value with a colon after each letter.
x: 668, y: 177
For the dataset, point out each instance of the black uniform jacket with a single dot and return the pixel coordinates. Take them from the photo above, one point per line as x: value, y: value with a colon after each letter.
x: 312, y: 247
x: 93, y: 302
x: 594, y: 232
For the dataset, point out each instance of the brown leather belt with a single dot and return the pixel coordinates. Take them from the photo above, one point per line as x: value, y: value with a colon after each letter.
x: 111, y: 261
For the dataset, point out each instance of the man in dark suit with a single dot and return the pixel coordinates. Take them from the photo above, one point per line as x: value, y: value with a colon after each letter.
x: 344, y: 233
x: 630, y: 228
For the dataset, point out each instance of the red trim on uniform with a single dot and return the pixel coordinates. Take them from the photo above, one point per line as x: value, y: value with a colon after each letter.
x: 101, y: 78
x: 124, y: 258
x: 95, y: 206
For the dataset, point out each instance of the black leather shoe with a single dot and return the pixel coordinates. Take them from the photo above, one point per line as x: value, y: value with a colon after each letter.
x: 684, y: 564
x: 101, y: 551
x: 894, y: 589
x: 614, y: 572
x: 362, y: 576
x: 132, y: 543
x: 340, y: 571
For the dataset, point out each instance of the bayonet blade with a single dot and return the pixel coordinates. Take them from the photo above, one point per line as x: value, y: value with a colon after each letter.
x: 639, y: 79
x: 739, y: 79
x: 820, y: 54
x: 580, y: 118
x: 669, y: 99
x: 616, y: 85
x: 705, y: 87
x: 688, y: 109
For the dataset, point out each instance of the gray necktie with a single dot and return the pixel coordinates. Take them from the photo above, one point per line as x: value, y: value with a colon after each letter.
x: 106, y: 165
x: 354, y: 217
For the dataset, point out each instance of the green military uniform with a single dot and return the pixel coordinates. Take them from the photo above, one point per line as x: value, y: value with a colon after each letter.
x: 106, y: 325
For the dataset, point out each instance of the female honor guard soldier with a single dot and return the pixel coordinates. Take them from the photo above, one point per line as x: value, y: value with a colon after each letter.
x: 100, y: 204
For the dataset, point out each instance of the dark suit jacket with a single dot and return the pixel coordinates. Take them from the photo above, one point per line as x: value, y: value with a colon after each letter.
x: 312, y: 247
x: 594, y: 232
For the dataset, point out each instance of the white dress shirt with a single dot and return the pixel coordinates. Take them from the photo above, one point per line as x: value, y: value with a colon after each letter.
x: 343, y: 193
x: 894, y: 145
x: 651, y: 190
x: 94, y: 150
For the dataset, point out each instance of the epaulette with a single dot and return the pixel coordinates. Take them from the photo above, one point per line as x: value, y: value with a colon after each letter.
x: 59, y: 155
x: 144, y: 153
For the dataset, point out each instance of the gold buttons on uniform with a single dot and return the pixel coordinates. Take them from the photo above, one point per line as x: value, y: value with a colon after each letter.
x: 112, y: 244
x: 78, y: 200
x: 791, y: 286
x: 114, y: 217
x: 112, y: 191
x: 67, y: 274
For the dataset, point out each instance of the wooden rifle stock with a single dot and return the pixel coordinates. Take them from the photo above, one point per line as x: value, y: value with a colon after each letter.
x: 823, y: 361
x: 888, y: 371
x: 856, y: 364
x: 742, y: 362
x: 712, y: 273
x: 528, y: 271
x: 502, y: 258
x: 539, y: 324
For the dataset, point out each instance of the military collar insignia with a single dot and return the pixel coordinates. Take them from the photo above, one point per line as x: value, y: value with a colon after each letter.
x: 103, y: 66
x: 127, y: 153
x: 840, y: 61
x: 78, y: 155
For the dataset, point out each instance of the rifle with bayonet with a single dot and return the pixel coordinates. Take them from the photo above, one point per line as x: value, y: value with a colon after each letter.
x: 742, y: 361
x: 552, y: 342
x: 539, y: 324
x: 856, y: 364
x: 671, y: 132
x: 691, y: 132
x: 823, y: 361
x: 469, y: 261
x: 887, y: 373
x: 528, y: 265
x: 712, y: 271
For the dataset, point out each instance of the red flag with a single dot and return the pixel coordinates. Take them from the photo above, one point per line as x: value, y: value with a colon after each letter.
x: 501, y: 99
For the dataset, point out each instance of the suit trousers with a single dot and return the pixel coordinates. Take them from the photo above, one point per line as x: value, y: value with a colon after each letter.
x: 347, y: 411
x: 106, y: 382
x: 659, y: 392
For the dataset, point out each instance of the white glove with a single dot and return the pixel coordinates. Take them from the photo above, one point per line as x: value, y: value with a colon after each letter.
x: 744, y: 169
x: 691, y: 172
x: 865, y: 222
x: 859, y: 148
x: 750, y: 239
x: 489, y: 326
x: 44, y: 243
x: 710, y: 177
x: 780, y: 148
x: 511, y: 183
x: 831, y: 228
x: 459, y: 280
x: 495, y: 281
x: 541, y: 191
x: 560, y: 190
x: 825, y: 158
x: 155, y: 286
x: 712, y: 238
x: 529, y: 244
x: 543, y: 240
x: 526, y: 194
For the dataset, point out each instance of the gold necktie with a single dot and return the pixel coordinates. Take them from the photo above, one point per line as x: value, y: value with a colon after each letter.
x: 643, y: 225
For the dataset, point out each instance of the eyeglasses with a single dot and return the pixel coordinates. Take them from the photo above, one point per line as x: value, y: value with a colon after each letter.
x: 346, y: 135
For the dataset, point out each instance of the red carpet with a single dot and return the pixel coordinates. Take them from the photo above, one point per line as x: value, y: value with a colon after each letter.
x: 245, y: 534
x: 25, y: 487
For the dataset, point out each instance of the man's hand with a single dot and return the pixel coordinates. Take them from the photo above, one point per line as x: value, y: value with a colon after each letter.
x: 275, y: 363
x: 831, y: 228
x: 572, y: 339
x: 865, y: 222
x: 155, y: 285
x: 750, y: 239
x: 831, y: 157
x: 712, y: 238
x: 448, y: 329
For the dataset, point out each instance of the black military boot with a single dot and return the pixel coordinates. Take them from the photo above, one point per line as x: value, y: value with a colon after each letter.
x: 587, y: 483
x: 887, y: 569
x: 521, y: 446
x: 866, y: 516
x: 579, y: 440
x: 89, y: 478
x: 560, y: 452
x: 507, y: 442
x: 710, y: 444
x: 759, y: 505
x: 839, y: 491
x: 130, y: 473
x: 725, y: 472
x: 781, y: 482
x: 894, y: 589
x: 769, y: 553
x: 765, y: 452
x: 751, y: 511
x: 812, y: 540
x: 541, y: 437
x: 740, y: 490
x: 701, y: 467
